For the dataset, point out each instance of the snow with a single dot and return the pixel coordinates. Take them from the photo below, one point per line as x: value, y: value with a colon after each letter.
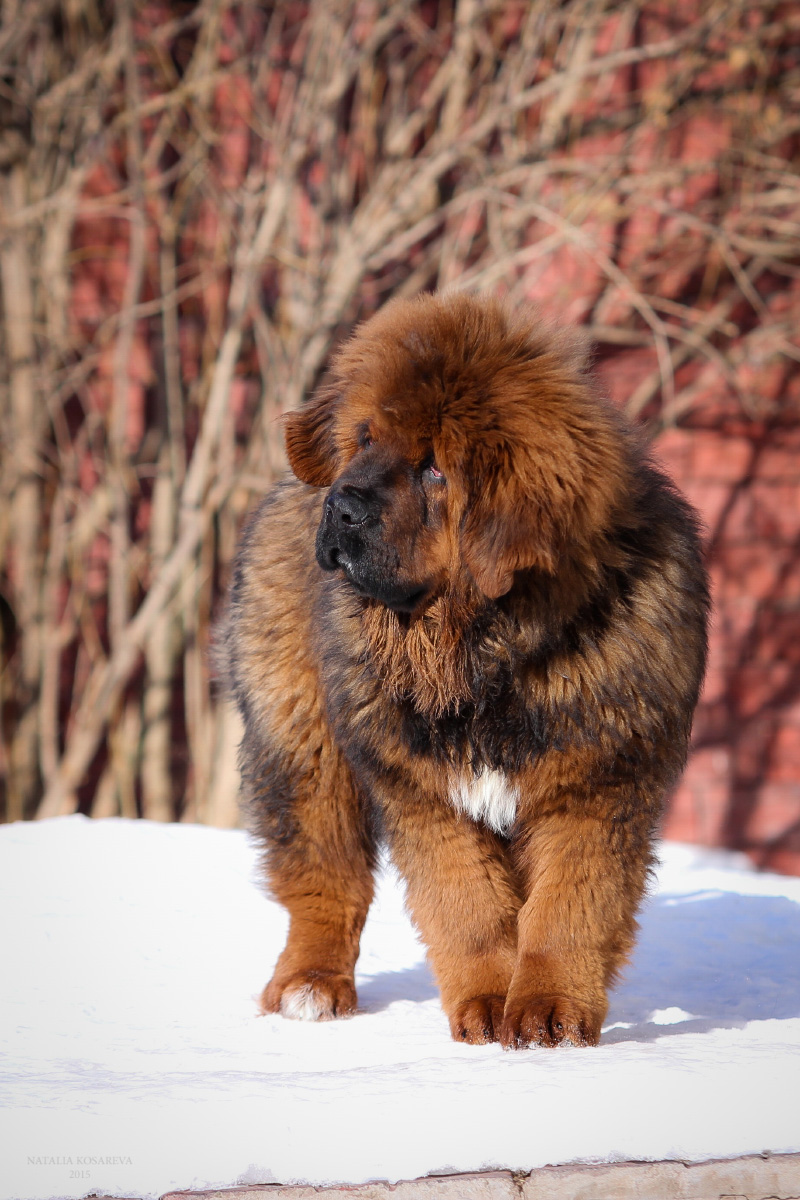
x: 132, y: 955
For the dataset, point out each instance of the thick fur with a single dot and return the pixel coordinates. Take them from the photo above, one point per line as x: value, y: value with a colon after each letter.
x: 474, y: 627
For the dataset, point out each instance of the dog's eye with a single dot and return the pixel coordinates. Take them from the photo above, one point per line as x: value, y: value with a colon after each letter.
x: 365, y: 442
x: 432, y: 472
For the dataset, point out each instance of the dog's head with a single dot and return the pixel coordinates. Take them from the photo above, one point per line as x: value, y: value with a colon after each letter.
x: 458, y: 441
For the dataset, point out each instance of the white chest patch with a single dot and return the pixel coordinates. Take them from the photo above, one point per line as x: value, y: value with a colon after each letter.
x: 489, y: 798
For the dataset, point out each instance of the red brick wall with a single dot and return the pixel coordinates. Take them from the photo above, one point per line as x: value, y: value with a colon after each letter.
x: 742, y: 785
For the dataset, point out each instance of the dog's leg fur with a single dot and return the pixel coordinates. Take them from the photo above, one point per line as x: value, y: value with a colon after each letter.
x: 575, y: 930
x: 322, y: 873
x: 464, y: 901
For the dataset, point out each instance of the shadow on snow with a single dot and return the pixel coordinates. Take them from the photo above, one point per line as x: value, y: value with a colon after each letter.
x: 704, y: 961
x: 718, y: 959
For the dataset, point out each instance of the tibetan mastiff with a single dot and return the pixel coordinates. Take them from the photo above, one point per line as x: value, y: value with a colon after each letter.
x: 472, y: 628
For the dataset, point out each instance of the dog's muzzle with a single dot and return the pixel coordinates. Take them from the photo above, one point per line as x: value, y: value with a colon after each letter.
x: 349, y: 539
x: 349, y: 516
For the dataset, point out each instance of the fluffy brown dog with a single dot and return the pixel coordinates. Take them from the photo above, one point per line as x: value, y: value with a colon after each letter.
x: 473, y: 627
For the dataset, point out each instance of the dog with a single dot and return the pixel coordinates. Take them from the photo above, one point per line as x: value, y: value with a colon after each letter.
x: 472, y: 627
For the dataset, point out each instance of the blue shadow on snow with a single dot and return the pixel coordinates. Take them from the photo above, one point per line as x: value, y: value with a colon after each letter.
x: 722, y: 959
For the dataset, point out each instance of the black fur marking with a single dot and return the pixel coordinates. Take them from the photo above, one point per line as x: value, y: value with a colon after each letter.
x: 268, y: 793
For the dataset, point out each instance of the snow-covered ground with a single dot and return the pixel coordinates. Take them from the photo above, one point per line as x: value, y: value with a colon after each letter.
x: 135, y: 1063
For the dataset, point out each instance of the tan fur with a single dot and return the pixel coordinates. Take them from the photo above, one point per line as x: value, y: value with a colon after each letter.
x: 502, y: 583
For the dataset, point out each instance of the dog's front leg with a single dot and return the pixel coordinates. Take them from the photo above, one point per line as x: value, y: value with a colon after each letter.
x: 585, y: 877
x: 464, y: 900
x: 319, y: 859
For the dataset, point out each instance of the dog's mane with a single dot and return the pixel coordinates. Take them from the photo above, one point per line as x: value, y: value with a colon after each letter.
x: 441, y: 659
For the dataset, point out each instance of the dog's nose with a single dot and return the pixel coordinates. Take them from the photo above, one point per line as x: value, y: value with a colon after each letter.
x: 348, y: 507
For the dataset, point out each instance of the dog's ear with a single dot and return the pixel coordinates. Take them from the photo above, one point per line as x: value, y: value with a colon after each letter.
x: 543, y: 503
x: 503, y: 532
x: 309, y: 440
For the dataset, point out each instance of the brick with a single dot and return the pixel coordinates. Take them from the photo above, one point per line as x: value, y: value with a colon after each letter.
x: 718, y: 407
x: 777, y: 810
x: 715, y: 683
x: 720, y: 459
x: 756, y: 569
x: 673, y: 451
x: 780, y: 462
x: 786, y: 862
x: 484, y: 1185
x: 737, y: 517
x: 711, y: 499
x: 731, y: 624
x: 711, y: 763
x: 752, y: 746
x: 785, y: 757
x: 564, y: 282
x: 763, y: 509
x: 697, y: 808
x: 775, y: 508
x: 754, y: 1177
x: 759, y: 687
x: 256, y: 1192
x: 777, y: 636
x: 621, y: 374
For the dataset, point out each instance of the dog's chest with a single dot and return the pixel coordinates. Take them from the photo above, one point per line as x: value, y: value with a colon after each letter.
x: 488, y: 797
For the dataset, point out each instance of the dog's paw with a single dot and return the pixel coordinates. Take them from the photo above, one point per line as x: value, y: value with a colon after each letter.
x: 549, y: 1021
x: 477, y: 1020
x: 310, y: 996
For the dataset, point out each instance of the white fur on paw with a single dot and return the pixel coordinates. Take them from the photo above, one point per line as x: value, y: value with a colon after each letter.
x: 304, y: 1004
